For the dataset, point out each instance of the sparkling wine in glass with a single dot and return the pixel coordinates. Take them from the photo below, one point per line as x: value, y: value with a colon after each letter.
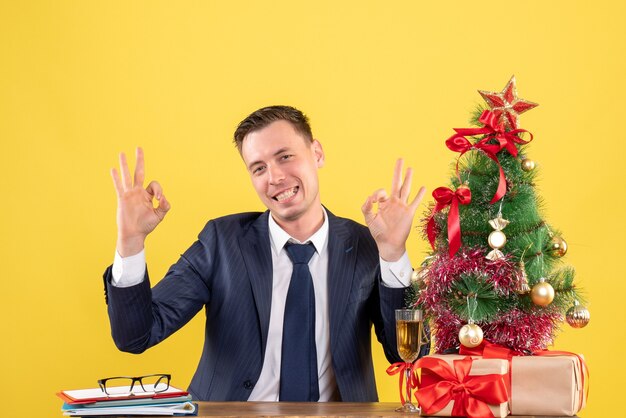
x: 410, y: 337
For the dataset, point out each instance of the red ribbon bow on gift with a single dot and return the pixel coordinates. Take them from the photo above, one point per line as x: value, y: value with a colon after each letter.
x: 487, y: 349
x: 494, y: 130
x: 470, y: 394
x: 401, y: 367
x: 444, y: 197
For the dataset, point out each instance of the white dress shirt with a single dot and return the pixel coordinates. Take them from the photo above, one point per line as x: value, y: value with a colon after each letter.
x: 129, y: 271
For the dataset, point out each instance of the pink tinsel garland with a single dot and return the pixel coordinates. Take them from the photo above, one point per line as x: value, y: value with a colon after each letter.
x: 522, y: 331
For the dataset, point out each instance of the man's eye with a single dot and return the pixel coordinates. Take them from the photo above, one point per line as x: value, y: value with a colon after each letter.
x: 286, y: 157
x: 258, y: 169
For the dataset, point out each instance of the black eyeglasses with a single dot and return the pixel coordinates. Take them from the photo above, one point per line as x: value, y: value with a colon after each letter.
x: 125, y: 386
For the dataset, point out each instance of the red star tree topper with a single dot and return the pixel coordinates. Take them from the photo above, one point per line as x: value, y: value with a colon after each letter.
x: 506, y: 105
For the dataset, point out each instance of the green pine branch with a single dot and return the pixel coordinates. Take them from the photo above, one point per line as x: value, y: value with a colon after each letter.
x: 487, y: 303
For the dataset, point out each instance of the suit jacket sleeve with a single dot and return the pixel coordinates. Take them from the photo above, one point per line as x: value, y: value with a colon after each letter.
x: 141, y: 317
x: 389, y: 299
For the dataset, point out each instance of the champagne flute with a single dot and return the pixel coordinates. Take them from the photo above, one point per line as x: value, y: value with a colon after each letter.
x: 409, y: 336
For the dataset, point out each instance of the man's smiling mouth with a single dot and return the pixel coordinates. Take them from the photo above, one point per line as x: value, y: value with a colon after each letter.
x: 287, y: 194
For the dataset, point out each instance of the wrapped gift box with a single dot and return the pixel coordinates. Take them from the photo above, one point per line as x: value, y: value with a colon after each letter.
x: 547, y: 385
x: 479, y: 367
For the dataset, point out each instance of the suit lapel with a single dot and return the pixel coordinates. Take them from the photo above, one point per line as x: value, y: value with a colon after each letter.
x: 342, y: 255
x: 342, y: 252
x: 257, y: 256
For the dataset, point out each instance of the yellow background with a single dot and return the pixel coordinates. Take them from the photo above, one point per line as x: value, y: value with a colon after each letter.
x: 82, y: 80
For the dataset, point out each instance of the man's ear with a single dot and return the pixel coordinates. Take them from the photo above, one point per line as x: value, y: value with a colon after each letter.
x: 319, y: 153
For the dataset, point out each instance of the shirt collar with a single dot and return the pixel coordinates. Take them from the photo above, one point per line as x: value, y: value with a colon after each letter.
x: 279, y: 237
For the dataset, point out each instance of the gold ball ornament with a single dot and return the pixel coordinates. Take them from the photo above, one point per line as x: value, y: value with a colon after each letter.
x: 542, y: 293
x: 557, y: 246
x: 577, y: 316
x: 471, y: 335
x: 528, y: 164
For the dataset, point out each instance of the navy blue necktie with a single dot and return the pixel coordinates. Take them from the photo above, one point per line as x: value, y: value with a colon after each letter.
x: 298, y: 370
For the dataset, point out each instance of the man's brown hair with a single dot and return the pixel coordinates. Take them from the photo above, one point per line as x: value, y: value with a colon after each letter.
x: 265, y: 116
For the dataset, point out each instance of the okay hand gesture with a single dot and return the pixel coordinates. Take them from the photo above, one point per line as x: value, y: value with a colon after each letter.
x: 136, y: 214
x: 391, y: 225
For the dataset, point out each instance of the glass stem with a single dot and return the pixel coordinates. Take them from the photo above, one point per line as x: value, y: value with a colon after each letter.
x: 408, y: 382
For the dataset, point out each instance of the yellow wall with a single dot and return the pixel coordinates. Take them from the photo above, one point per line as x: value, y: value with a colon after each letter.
x: 82, y: 80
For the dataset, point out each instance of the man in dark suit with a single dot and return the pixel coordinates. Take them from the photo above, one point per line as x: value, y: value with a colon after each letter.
x: 242, y: 271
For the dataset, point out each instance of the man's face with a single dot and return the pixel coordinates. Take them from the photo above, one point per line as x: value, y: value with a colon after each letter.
x: 283, y: 167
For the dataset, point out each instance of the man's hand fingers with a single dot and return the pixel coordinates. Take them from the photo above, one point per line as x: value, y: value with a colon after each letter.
x: 405, y: 191
x: 420, y: 194
x: 126, y: 181
x: 379, y: 196
x: 139, y: 168
x: 367, y: 206
x: 397, y: 177
x: 154, y: 189
x: 368, y: 210
x: 117, y: 182
x: 163, y: 208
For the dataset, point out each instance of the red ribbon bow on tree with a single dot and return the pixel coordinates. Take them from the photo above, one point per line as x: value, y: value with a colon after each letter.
x: 401, y: 367
x: 471, y: 395
x: 459, y: 143
x: 494, y: 130
x: 444, y: 197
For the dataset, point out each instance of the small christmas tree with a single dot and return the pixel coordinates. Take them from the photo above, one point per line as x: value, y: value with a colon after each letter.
x: 495, y: 267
